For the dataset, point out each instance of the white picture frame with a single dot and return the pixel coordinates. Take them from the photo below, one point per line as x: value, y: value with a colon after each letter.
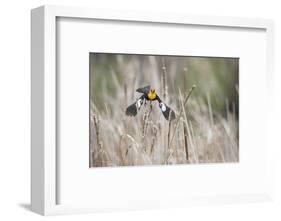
x: 44, y: 155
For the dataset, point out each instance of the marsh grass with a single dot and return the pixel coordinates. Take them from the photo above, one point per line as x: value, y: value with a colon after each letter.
x: 199, y: 134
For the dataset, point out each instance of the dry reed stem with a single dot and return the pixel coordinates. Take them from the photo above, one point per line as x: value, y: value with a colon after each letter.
x: 169, y: 132
x: 194, y: 141
x: 126, y: 94
x: 154, y: 137
x: 185, y: 142
x: 232, y: 142
x: 132, y: 139
x: 237, y: 89
x: 189, y: 132
x: 97, y: 126
x: 233, y: 110
x: 146, y: 117
x: 185, y: 70
x: 210, y: 109
x: 181, y: 111
x: 163, y: 80
x: 120, y: 150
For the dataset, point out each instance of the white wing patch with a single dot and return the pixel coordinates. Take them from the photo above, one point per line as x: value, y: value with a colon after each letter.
x: 139, y: 103
x: 162, y: 107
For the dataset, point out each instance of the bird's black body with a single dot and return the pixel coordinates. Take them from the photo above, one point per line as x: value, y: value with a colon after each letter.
x: 149, y: 95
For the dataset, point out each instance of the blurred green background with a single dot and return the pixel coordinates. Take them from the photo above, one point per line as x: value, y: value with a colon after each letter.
x: 114, y: 75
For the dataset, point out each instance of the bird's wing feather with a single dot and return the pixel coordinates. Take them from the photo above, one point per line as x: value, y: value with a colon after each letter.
x: 144, y: 90
x: 132, y: 110
x: 168, y: 113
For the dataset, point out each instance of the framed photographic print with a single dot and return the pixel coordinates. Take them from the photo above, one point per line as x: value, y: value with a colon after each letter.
x: 133, y: 123
x: 136, y: 110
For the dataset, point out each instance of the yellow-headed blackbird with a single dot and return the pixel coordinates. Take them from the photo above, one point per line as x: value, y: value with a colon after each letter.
x: 149, y: 94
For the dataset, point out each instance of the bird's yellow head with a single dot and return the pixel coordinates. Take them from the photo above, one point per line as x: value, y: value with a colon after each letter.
x: 151, y: 94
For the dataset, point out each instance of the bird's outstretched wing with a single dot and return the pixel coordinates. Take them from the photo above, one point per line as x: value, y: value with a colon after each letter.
x: 167, y: 112
x: 144, y: 90
x: 132, y: 110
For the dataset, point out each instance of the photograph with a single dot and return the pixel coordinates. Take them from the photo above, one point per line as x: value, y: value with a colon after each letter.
x: 149, y: 110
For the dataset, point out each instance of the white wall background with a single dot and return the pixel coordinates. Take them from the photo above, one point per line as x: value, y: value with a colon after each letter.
x: 15, y: 108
